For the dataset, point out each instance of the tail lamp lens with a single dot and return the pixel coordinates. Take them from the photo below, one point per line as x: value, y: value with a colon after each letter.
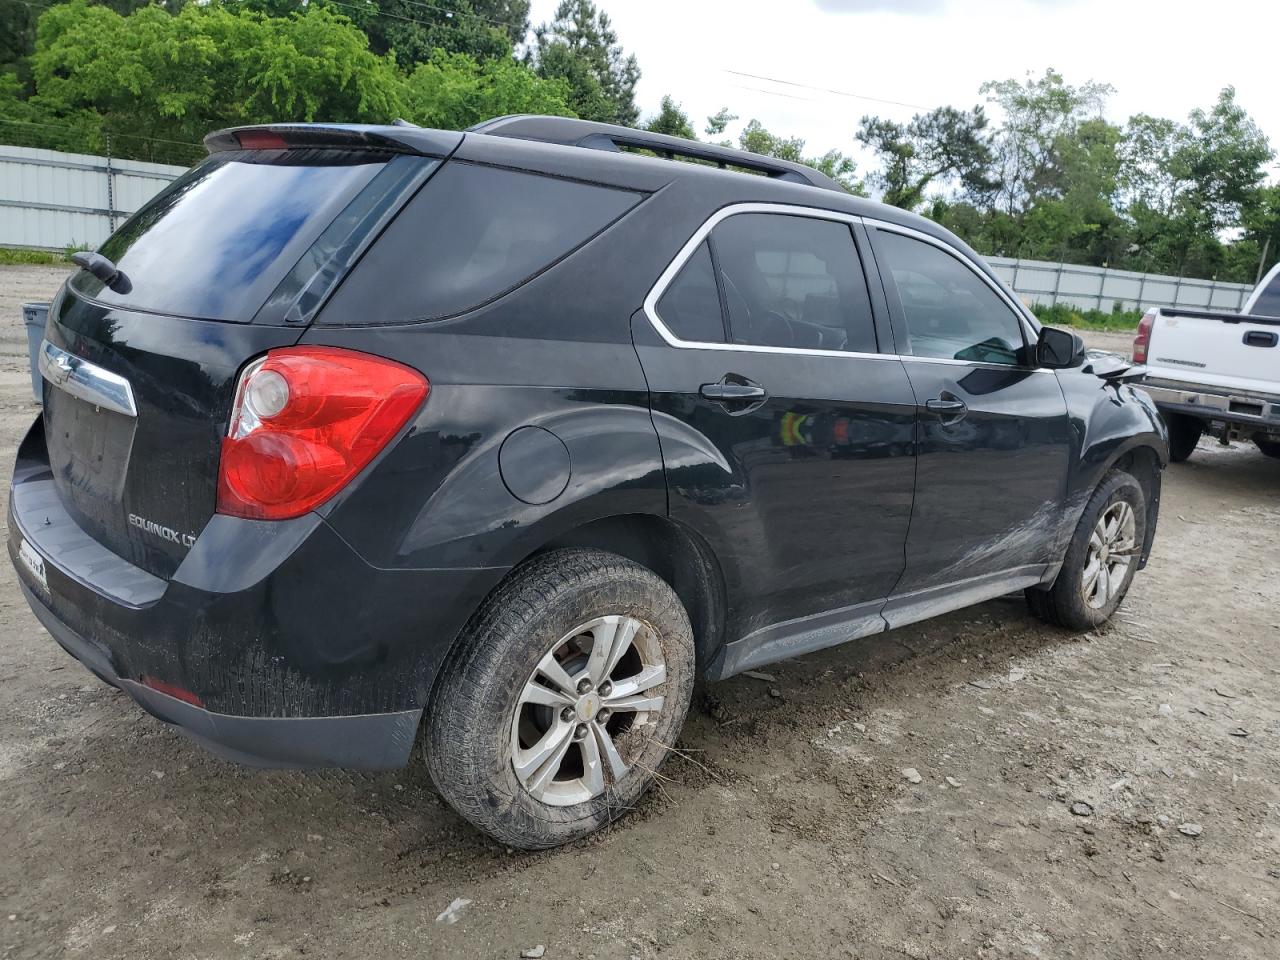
x: 1142, y: 342
x: 305, y: 421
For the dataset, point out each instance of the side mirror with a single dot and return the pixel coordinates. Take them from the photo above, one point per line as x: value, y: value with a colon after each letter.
x: 1057, y: 349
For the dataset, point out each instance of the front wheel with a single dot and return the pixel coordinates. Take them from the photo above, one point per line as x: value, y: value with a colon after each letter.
x: 566, y: 695
x: 1184, y: 434
x: 1101, y: 558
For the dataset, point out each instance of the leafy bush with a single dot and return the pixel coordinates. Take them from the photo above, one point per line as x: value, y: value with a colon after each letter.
x: 1063, y: 315
x: 10, y: 256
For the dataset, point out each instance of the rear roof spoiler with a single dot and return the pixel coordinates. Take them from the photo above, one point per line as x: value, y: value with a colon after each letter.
x: 400, y: 138
x: 607, y: 136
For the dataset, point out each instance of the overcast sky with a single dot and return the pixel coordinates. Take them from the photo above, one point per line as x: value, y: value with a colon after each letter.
x: 1163, y: 56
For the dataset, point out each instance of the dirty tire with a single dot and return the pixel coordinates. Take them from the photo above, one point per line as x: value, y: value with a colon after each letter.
x: 468, y: 731
x: 1184, y: 434
x: 1269, y: 448
x: 1064, y: 604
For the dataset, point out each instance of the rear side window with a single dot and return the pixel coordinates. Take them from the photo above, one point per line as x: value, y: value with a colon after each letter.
x: 792, y: 281
x: 472, y: 234
x: 950, y: 312
x: 691, y: 306
x: 220, y: 238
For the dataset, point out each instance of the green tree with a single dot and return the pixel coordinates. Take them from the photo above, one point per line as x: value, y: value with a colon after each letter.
x: 838, y: 166
x: 156, y: 75
x: 719, y: 122
x: 943, y: 147
x: 1184, y: 185
x: 413, y: 32
x: 671, y: 120
x: 453, y: 91
x: 1038, y: 114
x: 511, y: 16
x: 580, y: 47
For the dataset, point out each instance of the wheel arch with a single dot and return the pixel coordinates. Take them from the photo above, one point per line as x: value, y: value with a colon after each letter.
x: 1143, y: 462
x: 675, y: 553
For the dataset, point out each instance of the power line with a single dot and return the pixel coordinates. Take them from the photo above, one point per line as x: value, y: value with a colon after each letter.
x: 839, y: 93
x: 89, y: 129
x: 446, y: 10
x: 773, y: 93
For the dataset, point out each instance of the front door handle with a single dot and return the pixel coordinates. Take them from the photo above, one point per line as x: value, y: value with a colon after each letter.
x: 733, y: 391
x: 947, y: 408
x: 1260, y: 338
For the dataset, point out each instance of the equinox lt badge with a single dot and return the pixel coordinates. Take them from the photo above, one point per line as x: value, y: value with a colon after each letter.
x: 161, y: 531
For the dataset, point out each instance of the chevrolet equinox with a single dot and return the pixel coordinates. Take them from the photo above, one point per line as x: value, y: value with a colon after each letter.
x: 508, y: 435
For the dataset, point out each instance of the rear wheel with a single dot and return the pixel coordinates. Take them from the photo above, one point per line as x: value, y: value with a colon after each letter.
x: 1184, y: 434
x: 1270, y: 448
x: 1101, y: 559
x: 568, y: 692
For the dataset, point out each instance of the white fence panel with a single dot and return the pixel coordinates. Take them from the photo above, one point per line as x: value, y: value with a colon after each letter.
x: 53, y: 200
x: 1100, y: 288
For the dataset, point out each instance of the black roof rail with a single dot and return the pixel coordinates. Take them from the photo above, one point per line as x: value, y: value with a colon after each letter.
x: 608, y: 136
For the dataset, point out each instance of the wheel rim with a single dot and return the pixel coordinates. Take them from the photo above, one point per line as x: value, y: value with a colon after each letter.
x: 1112, y: 547
x: 587, y: 709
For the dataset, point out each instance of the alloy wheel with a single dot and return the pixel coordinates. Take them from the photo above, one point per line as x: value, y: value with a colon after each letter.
x: 1112, y: 548
x: 587, y: 709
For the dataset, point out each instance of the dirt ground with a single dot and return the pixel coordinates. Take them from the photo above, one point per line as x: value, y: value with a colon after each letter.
x: 790, y: 830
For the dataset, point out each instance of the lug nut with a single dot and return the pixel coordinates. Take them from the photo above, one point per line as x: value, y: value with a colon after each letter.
x: 603, y: 716
x: 567, y: 714
x: 606, y: 688
x: 580, y: 732
x: 584, y: 685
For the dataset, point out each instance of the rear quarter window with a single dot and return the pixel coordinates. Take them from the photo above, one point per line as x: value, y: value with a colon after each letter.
x: 472, y: 234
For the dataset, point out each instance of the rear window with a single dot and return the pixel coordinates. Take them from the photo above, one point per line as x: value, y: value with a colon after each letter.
x: 1268, y: 302
x: 221, y: 238
x: 472, y: 234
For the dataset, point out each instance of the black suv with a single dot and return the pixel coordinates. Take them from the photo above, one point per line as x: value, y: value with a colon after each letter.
x: 510, y: 434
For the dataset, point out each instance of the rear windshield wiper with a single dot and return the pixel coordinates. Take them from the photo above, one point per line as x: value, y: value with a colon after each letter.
x: 103, y: 269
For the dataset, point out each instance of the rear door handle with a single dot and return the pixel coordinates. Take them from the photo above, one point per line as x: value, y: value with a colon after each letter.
x: 735, y: 394
x: 947, y: 408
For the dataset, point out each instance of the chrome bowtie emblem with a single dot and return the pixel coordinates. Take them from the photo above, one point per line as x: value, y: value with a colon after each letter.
x: 60, y: 369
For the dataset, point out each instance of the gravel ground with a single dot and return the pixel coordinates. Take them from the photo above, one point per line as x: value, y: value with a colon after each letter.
x: 787, y: 828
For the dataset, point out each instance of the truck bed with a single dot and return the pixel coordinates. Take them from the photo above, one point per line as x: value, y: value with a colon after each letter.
x: 1224, y: 352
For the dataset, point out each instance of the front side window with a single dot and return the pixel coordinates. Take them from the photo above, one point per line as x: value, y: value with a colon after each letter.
x: 792, y: 281
x: 950, y: 312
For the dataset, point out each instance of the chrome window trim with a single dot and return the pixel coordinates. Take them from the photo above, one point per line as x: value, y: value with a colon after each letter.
x: 86, y: 380
x: 691, y: 245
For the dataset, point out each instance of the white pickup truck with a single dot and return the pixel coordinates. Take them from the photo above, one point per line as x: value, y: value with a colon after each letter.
x: 1216, y: 372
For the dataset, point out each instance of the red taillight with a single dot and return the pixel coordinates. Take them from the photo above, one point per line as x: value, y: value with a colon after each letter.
x: 261, y: 140
x: 172, y: 690
x: 305, y: 421
x: 1142, y: 342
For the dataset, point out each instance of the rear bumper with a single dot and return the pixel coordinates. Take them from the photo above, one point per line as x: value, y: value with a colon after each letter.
x: 1253, y: 409
x: 371, y: 741
x: 296, y: 651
